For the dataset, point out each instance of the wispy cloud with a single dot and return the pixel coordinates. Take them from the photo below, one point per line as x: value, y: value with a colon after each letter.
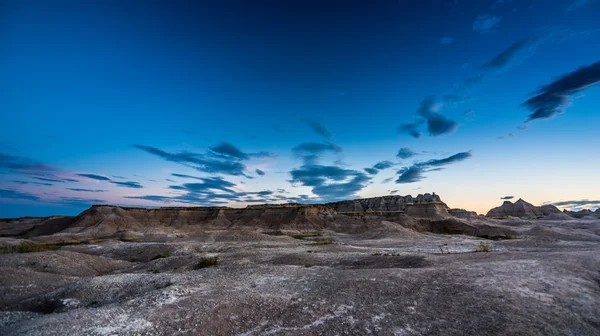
x: 577, y: 4
x: 445, y: 40
x: 486, y: 23
x: 383, y: 165
x: 229, y: 151
x: 507, y: 197
x: 310, y: 152
x: 553, y: 98
x: 319, y: 128
x: 94, y: 177
x: 417, y: 171
x: 577, y: 204
x: 330, y: 183
x: 198, y: 161
x: 514, y: 53
x: 411, y: 129
x: 35, y: 183
x: 127, y: 184
x: 87, y: 190
x: 405, y: 153
x: 14, y: 194
x: 260, y: 172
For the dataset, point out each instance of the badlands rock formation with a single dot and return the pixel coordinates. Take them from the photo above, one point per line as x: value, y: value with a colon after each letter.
x: 521, y: 209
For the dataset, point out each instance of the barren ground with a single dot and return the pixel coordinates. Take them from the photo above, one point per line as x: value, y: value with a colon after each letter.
x: 545, y: 282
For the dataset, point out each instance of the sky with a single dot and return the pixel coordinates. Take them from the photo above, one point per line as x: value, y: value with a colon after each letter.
x: 231, y: 103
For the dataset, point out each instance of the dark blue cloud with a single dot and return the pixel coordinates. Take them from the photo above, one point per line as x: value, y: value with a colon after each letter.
x: 507, y: 197
x: 577, y: 203
x: 35, y: 183
x: 393, y: 192
x: 87, y: 190
x: 371, y: 171
x: 437, y: 124
x: 199, y: 162
x: 127, y: 184
x: 383, y: 165
x: 311, y: 151
x: 169, y: 180
x: 445, y: 161
x: 405, y: 153
x: 416, y: 172
x: 81, y: 201
x: 186, y: 176
x: 94, y: 177
x: 410, y: 175
x: 319, y: 129
x: 511, y: 54
x: 119, y: 177
x: 260, y: 172
x: 411, y: 129
x: 14, y: 194
x: 8, y: 161
x: 330, y: 183
x: 208, y: 184
x: 53, y: 178
x: 229, y: 151
x: 553, y: 99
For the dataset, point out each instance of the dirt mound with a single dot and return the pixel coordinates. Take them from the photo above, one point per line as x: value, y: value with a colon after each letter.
x: 558, y: 216
x: 244, y: 236
x: 391, y: 230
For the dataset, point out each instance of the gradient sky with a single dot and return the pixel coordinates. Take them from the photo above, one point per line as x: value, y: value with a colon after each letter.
x: 172, y: 103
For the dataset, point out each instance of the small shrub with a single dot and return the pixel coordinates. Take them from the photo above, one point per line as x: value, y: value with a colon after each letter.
x: 161, y: 256
x: 304, y: 235
x: 325, y: 241
x: 207, y: 262
x: 483, y: 248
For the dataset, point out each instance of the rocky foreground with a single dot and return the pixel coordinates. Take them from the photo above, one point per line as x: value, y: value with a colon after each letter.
x: 381, y: 266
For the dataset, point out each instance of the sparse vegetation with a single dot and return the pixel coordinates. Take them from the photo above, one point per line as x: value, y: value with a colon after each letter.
x: 26, y: 247
x: 483, y: 247
x: 325, y: 241
x: 392, y: 254
x: 304, y: 235
x: 207, y: 262
x: 161, y: 256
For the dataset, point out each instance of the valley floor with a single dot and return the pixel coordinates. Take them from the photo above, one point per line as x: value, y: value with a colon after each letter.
x: 546, y: 281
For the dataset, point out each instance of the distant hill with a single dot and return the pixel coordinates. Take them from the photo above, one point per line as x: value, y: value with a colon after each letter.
x: 522, y: 209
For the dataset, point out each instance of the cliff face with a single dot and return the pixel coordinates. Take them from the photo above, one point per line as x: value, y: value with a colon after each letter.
x: 353, y: 216
x: 384, y: 203
x: 522, y: 209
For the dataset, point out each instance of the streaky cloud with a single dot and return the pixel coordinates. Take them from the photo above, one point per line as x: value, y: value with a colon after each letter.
x: 319, y: 128
x: 552, y: 99
x: 127, y: 184
x: 15, y: 194
x: 417, y: 171
x: 260, y: 172
x: 507, y: 197
x: 94, y: 177
x: 87, y: 190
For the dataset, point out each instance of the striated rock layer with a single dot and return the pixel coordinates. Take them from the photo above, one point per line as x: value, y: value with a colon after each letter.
x: 522, y: 209
x: 127, y: 223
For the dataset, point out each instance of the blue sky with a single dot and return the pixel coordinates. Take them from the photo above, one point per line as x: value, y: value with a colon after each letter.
x: 278, y: 102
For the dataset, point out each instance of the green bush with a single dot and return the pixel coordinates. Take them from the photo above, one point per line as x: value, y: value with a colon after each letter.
x: 483, y: 248
x: 207, y: 262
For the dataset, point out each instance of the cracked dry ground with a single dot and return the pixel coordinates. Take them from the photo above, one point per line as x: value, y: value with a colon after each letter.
x: 539, y: 284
